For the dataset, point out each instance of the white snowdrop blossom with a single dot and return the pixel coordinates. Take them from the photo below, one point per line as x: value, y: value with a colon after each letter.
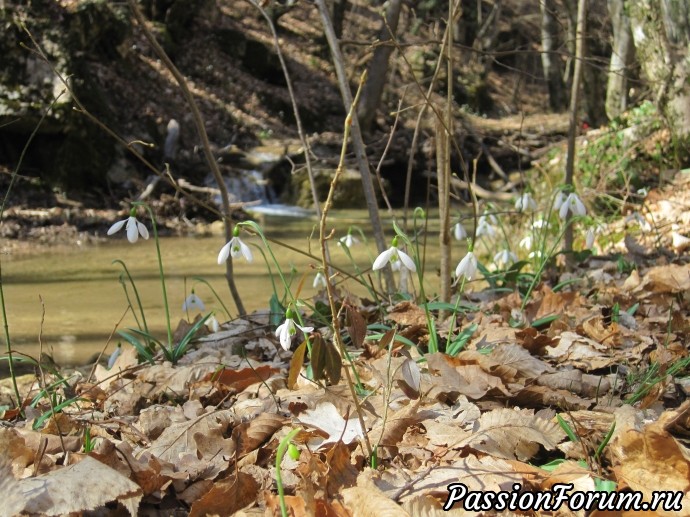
x: 535, y: 254
x: 234, y: 248
x: 589, y: 239
x: 540, y: 224
x: 572, y: 204
x: 288, y: 329
x: 467, y: 267
x: 484, y: 228
x: 113, y: 357
x: 193, y: 302
x: 525, y: 203
x: 212, y: 322
x: 349, y: 240
x: 395, y: 257
x: 638, y: 218
x: 526, y: 243
x: 319, y: 280
x: 559, y: 200
x: 505, y: 258
x: 459, y: 232
x: 134, y: 229
x: 487, y: 218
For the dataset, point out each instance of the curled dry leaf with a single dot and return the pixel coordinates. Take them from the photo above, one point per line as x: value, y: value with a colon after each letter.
x: 513, y: 433
x: 227, y: 496
x: 325, y: 417
x: 54, y: 493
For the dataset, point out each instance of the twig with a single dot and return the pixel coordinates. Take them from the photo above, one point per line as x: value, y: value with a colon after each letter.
x: 329, y: 286
x: 205, y: 143
x: 357, y: 140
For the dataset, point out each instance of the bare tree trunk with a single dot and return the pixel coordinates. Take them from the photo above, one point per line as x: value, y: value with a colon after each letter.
x: 378, y: 67
x: 574, y: 104
x: 550, y: 60
x: 357, y: 141
x: 443, y: 178
x: 661, y: 32
x: 622, y: 55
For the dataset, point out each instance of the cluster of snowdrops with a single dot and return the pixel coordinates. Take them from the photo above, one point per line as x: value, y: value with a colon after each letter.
x: 567, y: 205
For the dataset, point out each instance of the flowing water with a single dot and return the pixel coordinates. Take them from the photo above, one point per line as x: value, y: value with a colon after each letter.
x: 73, y: 299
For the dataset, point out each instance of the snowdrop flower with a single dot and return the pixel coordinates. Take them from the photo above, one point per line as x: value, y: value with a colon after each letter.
x: 289, y: 329
x: 526, y: 243
x: 395, y: 257
x: 589, y: 239
x: 484, y: 228
x: 559, y: 200
x: 679, y: 242
x: 539, y: 224
x: 193, y: 302
x: 639, y: 219
x: 113, y: 357
x: 535, y: 254
x: 234, y: 248
x: 213, y: 323
x: 134, y: 228
x: 505, y: 257
x: 573, y: 205
x: 459, y: 232
x: 525, y: 203
x: 319, y: 280
x: 349, y: 240
x: 467, y: 267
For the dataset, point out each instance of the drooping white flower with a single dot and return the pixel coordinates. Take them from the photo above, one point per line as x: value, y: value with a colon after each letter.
x: 213, y: 323
x: 193, y: 302
x: 288, y: 329
x: 349, y: 240
x: 467, y: 267
x: 589, y: 238
x: 539, y: 224
x: 572, y: 204
x: 505, y: 258
x: 559, y: 200
x: 526, y: 243
x: 484, y: 228
x: 459, y: 232
x: 525, y: 203
x: 234, y: 248
x: 113, y: 357
x: 395, y: 257
x: 134, y: 229
x: 638, y: 218
x: 319, y: 280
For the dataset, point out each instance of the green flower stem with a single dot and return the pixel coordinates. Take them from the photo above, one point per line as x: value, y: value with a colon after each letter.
x: 136, y: 295
x: 544, y: 259
x: 215, y: 294
x: 431, y: 324
x: 280, y: 453
x: 160, y: 271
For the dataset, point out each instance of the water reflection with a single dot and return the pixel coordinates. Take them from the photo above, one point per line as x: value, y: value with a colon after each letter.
x: 83, y: 300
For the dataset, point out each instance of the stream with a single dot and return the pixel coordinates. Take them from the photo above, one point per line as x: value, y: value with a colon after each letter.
x: 70, y: 300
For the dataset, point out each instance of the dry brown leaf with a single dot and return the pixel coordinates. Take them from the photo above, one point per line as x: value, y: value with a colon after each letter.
x: 55, y: 493
x: 197, y: 446
x: 387, y: 434
x: 14, y: 451
x: 513, y: 433
x: 516, y: 357
x: 238, y: 380
x: 325, y: 417
x: 582, y: 352
x: 650, y: 459
x: 227, y: 496
x: 577, y: 382
x: 534, y: 341
x: 341, y: 473
x: 365, y: 502
x: 407, y: 314
x: 536, y: 396
x: 250, y: 435
x: 451, y: 378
